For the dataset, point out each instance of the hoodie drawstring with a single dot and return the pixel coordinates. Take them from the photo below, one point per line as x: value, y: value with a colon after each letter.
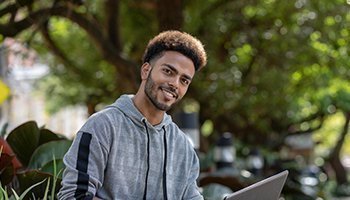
x: 164, y: 166
x: 145, y: 191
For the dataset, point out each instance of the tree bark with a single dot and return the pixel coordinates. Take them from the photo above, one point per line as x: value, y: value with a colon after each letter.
x: 112, y: 22
x: 334, y: 157
x: 170, y: 14
x: 91, y: 108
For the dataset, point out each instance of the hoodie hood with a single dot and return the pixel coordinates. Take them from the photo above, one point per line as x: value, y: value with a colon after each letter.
x: 126, y: 105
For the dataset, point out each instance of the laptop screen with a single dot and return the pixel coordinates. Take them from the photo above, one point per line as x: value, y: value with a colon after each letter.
x: 267, y: 189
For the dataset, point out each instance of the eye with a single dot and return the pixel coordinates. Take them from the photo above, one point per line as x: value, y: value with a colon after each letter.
x: 185, y: 81
x: 167, y: 71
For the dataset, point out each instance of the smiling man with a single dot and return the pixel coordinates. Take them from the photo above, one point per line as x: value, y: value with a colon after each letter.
x: 132, y: 149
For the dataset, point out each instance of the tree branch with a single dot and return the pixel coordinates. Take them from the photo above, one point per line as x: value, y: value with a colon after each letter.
x: 94, y: 30
x: 13, y: 8
x: 57, y: 51
x: 112, y: 23
x: 109, y: 52
x: 311, y: 117
x: 337, y: 148
x: 8, y: 9
x: 309, y: 130
x: 170, y: 15
x: 249, y: 68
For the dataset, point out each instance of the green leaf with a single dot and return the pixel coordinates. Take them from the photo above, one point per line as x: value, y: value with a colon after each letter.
x: 47, y: 189
x: 29, y: 178
x: 343, y: 99
x: 55, y: 177
x: 49, y: 167
x: 3, y: 194
x: 28, y: 189
x: 47, y: 136
x: 24, y: 140
x: 44, y: 153
x: 15, y: 194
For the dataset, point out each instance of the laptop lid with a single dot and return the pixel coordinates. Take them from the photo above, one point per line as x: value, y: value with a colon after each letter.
x: 267, y: 189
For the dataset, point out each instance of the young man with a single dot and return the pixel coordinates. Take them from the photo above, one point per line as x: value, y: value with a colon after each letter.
x: 132, y: 149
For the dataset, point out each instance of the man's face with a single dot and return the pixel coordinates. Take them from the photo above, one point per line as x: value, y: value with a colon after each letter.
x: 168, y: 79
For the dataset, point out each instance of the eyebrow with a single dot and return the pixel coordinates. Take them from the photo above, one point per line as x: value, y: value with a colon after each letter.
x: 176, y: 71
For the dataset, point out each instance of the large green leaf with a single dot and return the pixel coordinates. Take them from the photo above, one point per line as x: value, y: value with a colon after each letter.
x: 24, y: 140
x: 28, y: 178
x: 47, y: 152
x: 50, y: 167
x: 47, y: 136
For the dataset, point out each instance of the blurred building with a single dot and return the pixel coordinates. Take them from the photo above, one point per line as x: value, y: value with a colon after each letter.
x: 20, y: 69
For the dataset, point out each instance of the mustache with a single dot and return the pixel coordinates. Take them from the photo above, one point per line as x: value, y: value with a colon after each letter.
x: 170, y: 89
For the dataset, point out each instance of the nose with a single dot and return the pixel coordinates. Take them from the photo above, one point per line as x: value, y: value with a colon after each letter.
x: 174, y: 82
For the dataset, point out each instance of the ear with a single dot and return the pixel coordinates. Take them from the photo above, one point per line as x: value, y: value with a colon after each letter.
x: 146, y: 68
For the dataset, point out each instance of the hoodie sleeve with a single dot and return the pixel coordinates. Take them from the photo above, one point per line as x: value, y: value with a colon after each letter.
x: 86, y: 160
x: 192, y: 191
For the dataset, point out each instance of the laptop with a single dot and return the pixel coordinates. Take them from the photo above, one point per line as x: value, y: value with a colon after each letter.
x: 267, y: 189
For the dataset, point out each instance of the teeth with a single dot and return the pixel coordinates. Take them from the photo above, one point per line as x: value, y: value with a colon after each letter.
x: 169, y: 94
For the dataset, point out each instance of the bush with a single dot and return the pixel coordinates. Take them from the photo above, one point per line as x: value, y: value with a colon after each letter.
x: 30, y: 155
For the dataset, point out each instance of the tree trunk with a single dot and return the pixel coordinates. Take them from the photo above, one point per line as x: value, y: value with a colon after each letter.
x: 170, y: 14
x: 334, y: 158
x: 91, y: 108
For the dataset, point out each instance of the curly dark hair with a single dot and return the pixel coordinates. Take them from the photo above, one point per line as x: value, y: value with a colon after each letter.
x: 181, y: 42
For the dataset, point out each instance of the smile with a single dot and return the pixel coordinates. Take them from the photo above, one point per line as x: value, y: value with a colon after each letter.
x: 169, y: 93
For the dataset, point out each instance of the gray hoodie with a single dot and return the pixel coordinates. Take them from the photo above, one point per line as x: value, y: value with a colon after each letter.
x: 118, y: 154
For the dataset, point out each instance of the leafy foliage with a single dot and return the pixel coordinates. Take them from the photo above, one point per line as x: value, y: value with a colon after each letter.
x: 32, y: 155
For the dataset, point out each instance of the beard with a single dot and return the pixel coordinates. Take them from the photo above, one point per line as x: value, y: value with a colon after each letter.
x: 151, y: 92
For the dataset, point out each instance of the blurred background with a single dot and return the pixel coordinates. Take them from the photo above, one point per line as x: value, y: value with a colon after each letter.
x: 274, y: 95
